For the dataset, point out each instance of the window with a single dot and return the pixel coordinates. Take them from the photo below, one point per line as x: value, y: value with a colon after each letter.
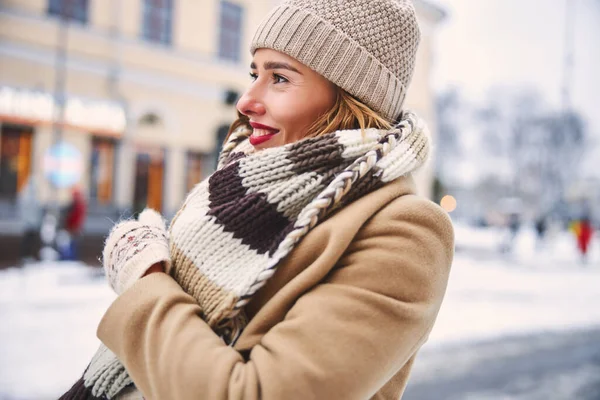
x: 15, y: 159
x: 102, y: 170
x: 75, y: 10
x: 230, y: 36
x: 158, y: 21
x: 194, y: 169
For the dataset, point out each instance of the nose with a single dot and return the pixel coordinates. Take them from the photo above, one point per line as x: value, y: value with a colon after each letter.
x: 250, y: 103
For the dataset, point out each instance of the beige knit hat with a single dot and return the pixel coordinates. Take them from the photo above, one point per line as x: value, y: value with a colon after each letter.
x: 366, y: 47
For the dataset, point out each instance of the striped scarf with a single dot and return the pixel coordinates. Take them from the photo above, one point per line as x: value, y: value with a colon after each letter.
x: 235, y: 227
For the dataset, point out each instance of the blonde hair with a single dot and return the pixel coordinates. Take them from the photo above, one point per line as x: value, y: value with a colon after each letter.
x: 347, y: 113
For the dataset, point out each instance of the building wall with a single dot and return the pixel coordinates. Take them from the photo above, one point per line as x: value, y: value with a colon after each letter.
x: 421, y: 96
x: 182, y: 84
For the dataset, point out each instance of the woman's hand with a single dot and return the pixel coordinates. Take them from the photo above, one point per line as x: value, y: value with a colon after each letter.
x: 135, y: 248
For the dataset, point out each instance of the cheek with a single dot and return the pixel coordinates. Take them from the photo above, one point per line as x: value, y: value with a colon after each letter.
x: 290, y: 113
x: 302, y: 111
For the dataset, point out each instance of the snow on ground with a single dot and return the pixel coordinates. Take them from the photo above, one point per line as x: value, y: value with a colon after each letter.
x: 492, y: 298
x: 49, y: 312
x: 533, y: 289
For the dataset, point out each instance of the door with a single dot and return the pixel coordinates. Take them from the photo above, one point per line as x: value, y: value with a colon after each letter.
x: 149, y: 175
x: 15, y: 159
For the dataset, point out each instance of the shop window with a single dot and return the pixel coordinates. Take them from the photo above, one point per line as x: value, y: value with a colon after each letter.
x: 230, y: 31
x: 74, y: 10
x: 194, y: 168
x: 157, y: 21
x: 15, y: 159
x: 149, y: 175
x: 102, y: 170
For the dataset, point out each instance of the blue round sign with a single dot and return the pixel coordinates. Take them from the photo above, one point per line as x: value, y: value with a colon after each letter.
x: 63, y: 165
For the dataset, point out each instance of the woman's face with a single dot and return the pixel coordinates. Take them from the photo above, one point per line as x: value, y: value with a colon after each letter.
x: 284, y: 99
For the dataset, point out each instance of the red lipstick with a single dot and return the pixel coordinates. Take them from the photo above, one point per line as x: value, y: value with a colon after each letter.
x: 256, y: 140
x: 256, y: 125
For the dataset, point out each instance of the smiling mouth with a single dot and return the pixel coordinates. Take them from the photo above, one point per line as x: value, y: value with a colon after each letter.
x: 261, y: 133
x: 260, y: 136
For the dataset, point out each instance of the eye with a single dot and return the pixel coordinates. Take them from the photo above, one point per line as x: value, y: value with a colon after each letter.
x: 279, y: 79
x: 253, y: 76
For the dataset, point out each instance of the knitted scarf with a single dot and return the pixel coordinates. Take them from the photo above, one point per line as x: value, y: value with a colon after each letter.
x: 236, y: 226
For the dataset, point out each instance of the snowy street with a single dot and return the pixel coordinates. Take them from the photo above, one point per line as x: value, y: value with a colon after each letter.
x: 524, y: 325
x: 550, y: 366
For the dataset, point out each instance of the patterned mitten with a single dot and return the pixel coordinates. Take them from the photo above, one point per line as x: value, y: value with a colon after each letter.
x: 132, y: 247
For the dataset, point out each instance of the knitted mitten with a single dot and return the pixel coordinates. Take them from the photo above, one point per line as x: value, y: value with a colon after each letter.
x: 132, y: 247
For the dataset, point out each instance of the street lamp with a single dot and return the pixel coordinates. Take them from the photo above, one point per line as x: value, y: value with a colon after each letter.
x: 51, y: 218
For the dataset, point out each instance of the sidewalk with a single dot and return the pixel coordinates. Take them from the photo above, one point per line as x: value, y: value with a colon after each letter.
x: 89, y: 251
x: 557, y: 366
x: 97, y: 225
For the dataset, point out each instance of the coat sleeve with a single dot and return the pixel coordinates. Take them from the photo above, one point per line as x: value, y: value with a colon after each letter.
x: 343, y: 339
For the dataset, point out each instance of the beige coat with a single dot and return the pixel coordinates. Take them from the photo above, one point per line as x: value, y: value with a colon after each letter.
x: 342, y: 318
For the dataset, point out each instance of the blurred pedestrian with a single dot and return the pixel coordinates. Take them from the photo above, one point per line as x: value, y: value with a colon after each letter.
x: 74, y: 218
x: 583, y: 231
x: 512, y: 226
x: 30, y: 213
x: 305, y: 266
x: 541, y: 226
x: 514, y: 223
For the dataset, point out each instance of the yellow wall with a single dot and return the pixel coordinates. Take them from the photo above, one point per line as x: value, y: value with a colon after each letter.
x: 421, y: 99
x: 182, y: 83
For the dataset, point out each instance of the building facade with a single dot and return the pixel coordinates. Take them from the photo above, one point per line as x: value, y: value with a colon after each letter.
x: 131, y: 98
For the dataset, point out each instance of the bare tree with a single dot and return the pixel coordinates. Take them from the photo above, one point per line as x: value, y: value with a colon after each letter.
x: 542, y: 148
x: 525, y: 148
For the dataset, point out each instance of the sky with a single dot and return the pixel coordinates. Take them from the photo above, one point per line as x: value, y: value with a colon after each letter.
x: 483, y: 43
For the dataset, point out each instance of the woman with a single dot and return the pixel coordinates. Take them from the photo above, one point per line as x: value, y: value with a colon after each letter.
x: 305, y: 266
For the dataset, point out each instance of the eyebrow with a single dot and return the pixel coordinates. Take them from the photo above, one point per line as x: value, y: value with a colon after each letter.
x: 276, y: 65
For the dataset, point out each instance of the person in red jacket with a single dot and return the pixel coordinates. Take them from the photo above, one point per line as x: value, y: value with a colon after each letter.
x: 73, y: 222
x: 584, y: 234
